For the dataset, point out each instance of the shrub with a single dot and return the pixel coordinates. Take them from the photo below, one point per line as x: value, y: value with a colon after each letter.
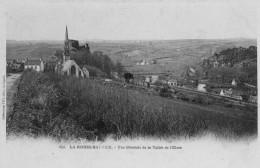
x: 198, y: 99
x: 165, y: 92
x: 185, y: 98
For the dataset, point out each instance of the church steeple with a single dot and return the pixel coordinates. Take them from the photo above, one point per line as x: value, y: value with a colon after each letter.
x: 66, y: 34
x: 66, y: 55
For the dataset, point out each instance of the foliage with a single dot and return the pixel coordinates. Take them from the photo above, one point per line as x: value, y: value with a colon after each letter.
x: 236, y: 63
x: 99, y: 60
x: 236, y: 55
x: 165, y: 92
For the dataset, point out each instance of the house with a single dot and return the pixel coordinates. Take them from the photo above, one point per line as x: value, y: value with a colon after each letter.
x: 139, y: 81
x: 115, y: 74
x: 226, y: 92
x: 253, y: 99
x: 237, y: 97
x: 154, y: 78
x: 234, y: 83
x: 215, y: 64
x: 201, y: 87
x: 17, y: 67
x: 148, y: 79
x: 36, y: 65
x: 151, y: 79
x: 142, y: 62
x: 172, y: 82
x: 9, y: 62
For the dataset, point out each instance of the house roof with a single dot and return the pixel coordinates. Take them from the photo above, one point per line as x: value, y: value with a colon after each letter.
x: 33, y: 62
x: 172, y: 80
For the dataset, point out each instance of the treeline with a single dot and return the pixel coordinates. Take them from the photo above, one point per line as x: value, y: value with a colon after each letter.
x: 227, y: 74
x: 235, y: 55
x: 99, y: 60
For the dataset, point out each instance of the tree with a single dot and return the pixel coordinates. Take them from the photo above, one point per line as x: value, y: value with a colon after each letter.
x: 128, y: 76
x: 119, y: 68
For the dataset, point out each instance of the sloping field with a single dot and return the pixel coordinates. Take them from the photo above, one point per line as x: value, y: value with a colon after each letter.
x: 21, y: 52
x: 69, y: 108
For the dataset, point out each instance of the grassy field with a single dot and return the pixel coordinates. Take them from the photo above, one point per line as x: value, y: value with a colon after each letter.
x: 65, y: 107
x: 23, y: 51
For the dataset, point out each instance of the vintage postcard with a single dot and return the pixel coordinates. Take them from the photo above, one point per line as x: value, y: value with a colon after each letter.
x: 129, y: 83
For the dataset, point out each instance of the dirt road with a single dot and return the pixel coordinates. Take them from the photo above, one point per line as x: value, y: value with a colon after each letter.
x: 12, y: 81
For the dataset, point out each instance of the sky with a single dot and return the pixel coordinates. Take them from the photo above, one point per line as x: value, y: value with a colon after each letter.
x: 157, y: 20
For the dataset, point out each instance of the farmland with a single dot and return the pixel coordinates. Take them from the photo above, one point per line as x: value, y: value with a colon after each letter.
x: 171, y: 56
x: 64, y: 107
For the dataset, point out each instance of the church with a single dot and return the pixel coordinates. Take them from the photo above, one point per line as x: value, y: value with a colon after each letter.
x: 67, y: 66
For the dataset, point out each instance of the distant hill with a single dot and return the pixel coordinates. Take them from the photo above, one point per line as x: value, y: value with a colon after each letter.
x: 232, y: 57
x: 133, y: 53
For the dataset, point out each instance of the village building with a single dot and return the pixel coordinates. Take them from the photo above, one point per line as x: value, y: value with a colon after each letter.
x: 172, y: 82
x: 215, y: 64
x: 226, y: 92
x: 234, y: 83
x: 253, y: 99
x: 17, y: 67
x: 201, y: 87
x: 151, y: 79
x: 36, y: 65
x: 148, y: 79
x: 154, y: 78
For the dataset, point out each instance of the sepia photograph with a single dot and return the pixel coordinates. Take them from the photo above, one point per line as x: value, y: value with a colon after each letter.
x: 84, y: 74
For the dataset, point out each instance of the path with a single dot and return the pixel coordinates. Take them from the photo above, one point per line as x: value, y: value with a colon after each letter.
x: 12, y: 81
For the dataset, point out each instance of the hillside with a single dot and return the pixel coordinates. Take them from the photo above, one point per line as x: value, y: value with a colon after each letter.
x: 76, y: 107
x: 232, y: 57
x: 239, y: 63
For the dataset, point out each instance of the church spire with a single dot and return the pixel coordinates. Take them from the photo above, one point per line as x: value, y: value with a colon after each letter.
x: 66, y: 55
x: 66, y: 34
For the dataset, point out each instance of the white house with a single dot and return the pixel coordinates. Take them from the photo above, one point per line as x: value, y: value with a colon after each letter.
x: 154, y: 78
x: 226, y: 92
x: 36, y: 65
x: 234, y: 83
x: 201, y: 87
x: 172, y: 82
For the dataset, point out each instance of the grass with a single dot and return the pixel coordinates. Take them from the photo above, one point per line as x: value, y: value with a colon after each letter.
x: 66, y: 107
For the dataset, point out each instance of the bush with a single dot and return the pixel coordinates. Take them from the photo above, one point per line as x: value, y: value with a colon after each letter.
x: 198, y: 99
x: 185, y: 98
x: 165, y: 92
